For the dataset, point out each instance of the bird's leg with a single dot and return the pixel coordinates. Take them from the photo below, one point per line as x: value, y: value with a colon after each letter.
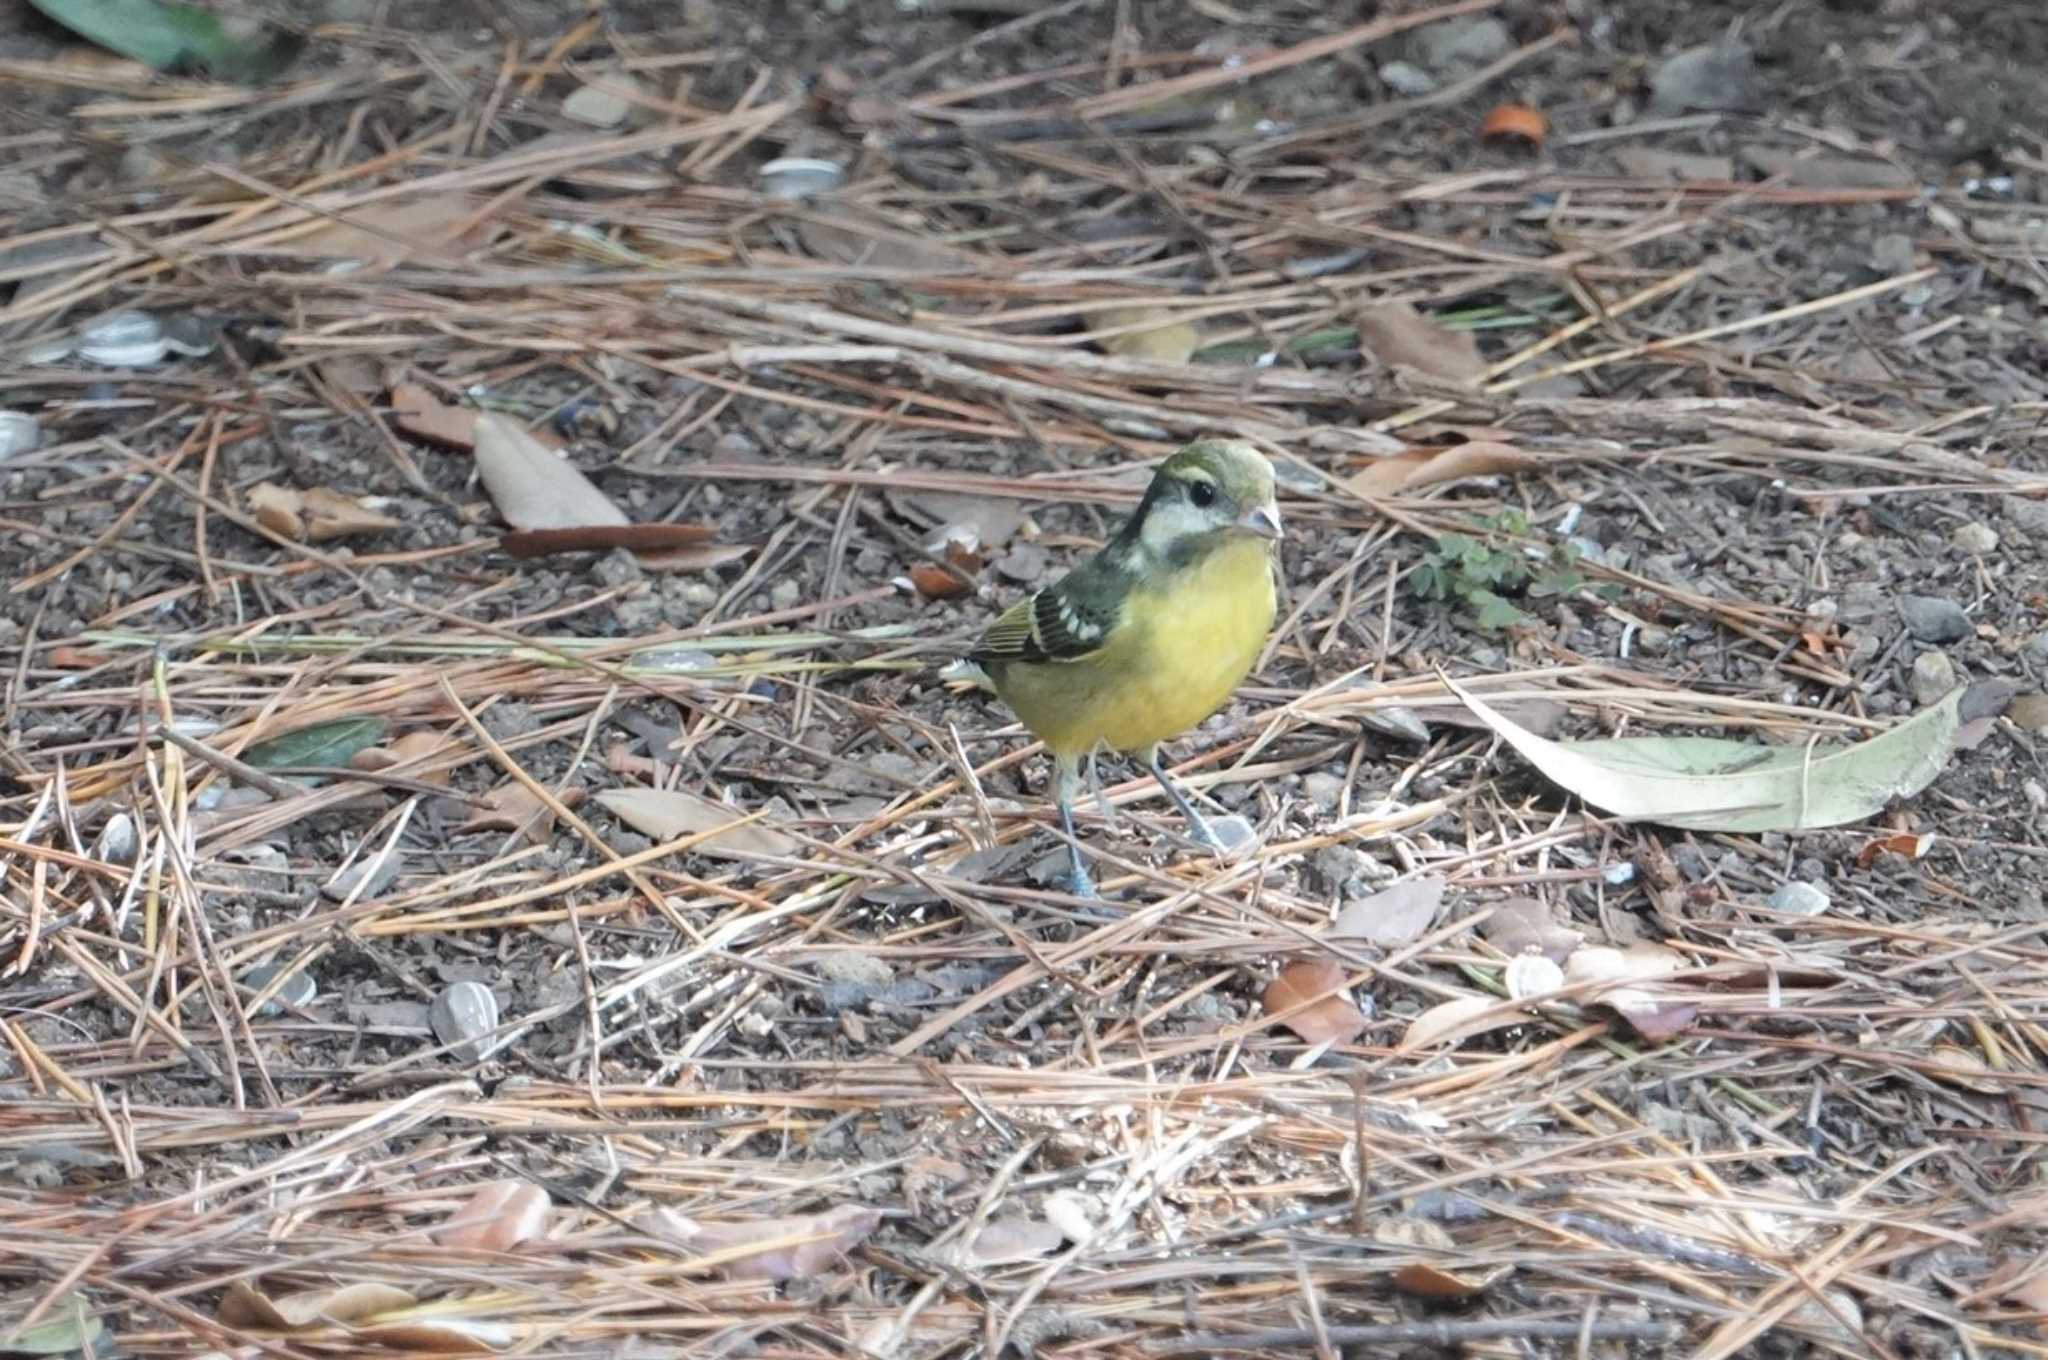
x: 1102, y: 806
x: 1066, y: 782
x: 1198, y: 827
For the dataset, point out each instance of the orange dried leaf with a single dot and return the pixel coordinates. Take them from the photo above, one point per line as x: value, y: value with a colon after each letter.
x: 1515, y: 122
x: 65, y: 657
x: 1426, y: 1281
x: 498, y: 1217
x: 934, y: 582
x: 1418, y: 468
x: 1906, y: 843
x: 329, y: 514
x: 1401, y: 337
x: 1326, y: 1012
x: 650, y: 538
x: 776, y: 1248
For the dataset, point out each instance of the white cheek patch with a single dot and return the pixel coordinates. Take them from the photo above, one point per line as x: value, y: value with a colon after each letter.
x: 1169, y: 522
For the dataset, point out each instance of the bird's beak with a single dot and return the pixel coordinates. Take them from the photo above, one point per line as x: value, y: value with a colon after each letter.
x: 1262, y: 521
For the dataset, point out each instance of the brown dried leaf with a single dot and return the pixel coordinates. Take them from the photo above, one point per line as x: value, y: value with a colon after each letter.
x: 1522, y: 925
x: 1401, y: 337
x: 533, y: 487
x: 669, y: 814
x: 641, y: 538
x: 329, y: 515
x: 276, y: 508
x: 513, y: 807
x: 1333, y: 1019
x: 1393, y: 916
x: 443, y: 1335
x: 1459, y: 1019
x: 781, y: 1248
x: 412, y: 746
x: 1418, y: 468
x: 244, y: 1306
x: 417, y: 411
x: 1599, y: 963
x: 498, y: 1217
x: 439, y: 226
x: 1827, y: 172
x: 1006, y: 1241
x: 1653, y: 1016
x: 857, y: 236
x: 1645, y: 162
x: 1168, y: 342
x: 2029, y: 711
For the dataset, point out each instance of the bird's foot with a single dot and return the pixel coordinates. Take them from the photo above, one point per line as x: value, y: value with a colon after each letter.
x: 1079, y: 884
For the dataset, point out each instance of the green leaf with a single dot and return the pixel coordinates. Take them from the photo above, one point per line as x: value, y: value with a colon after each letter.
x: 1493, y: 613
x: 66, y: 1329
x: 329, y: 743
x: 162, y: 36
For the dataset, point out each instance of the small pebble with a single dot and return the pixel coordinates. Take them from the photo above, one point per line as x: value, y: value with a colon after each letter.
x: 1323, y: 788
x: 117, y: 839
x: 1407, y: 79
x: 298, y: 990
x: 463, y: 1014
x: 785, y: 594
x: 374, y: 872
x: 1801, y: 899
x: 1980, y: 539
x: 2035, y: 648
x: 1460, y: 45
x: 1933, y: 676
x: 1932, y: 619
x: 1892, y: 253
x: 1718, y: 75
x: 19, y: 433
x: 594, y: 106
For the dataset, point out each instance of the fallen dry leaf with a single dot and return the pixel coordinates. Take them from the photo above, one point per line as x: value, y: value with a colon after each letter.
x: 533, y: 487
x: 934, y: 582
x: 513, y: 807
x: 2029, y: 711
x: 412, y: 746
x: 1401, y: 337
x: 1168, y: 342
x: 316, y: 515
x: 641, y: 538
x: 1902, y: 843
x: 772, y: 1248
x: 417, y: 411
x: 393, y: 231
x: 245, y: 1306
x: 670, y: 814
x: 1523, y: 925
x: 692, y: 557
x: 1393, y: 916
x: 1006, y: 1241
x: 1654, y: 1017
x: 1646, y: 162
x: 854, y: 235
x: 1418, y: 468
x: 1459, y: 1019
x: 1827, y: 172
x: 498, y: 1217
x: 1333, y: 1019
x: 1599, y: 963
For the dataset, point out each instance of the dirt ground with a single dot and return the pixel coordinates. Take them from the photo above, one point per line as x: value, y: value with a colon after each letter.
x: 1729, y: 368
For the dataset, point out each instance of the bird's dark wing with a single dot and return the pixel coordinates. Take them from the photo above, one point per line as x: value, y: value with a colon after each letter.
x: 1063, y: 622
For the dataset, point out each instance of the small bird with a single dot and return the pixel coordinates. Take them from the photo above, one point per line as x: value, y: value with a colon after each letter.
x: 1149, y: 636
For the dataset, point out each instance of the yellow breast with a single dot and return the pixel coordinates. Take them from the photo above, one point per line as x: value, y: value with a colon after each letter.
x: 1186, y: 641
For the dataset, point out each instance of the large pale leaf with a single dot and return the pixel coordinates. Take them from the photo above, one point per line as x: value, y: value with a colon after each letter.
x: 666, y: 814
x: 1712, y: 784
x: 328, y: 743
x: 164, y: 35
x: 532, y: 486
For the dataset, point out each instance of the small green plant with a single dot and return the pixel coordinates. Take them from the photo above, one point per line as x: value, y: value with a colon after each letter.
x: 1489, y: 571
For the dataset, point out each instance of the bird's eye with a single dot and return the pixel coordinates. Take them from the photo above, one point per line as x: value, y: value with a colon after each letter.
x: 1202, y: 493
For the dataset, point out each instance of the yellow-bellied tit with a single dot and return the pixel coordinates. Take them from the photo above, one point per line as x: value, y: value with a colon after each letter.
x: 1149, y: 636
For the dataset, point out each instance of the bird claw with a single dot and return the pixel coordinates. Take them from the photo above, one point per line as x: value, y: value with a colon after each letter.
x: 1079, y: 884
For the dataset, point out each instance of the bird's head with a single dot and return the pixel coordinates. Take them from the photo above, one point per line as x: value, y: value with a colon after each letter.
x: 1211, y: 488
